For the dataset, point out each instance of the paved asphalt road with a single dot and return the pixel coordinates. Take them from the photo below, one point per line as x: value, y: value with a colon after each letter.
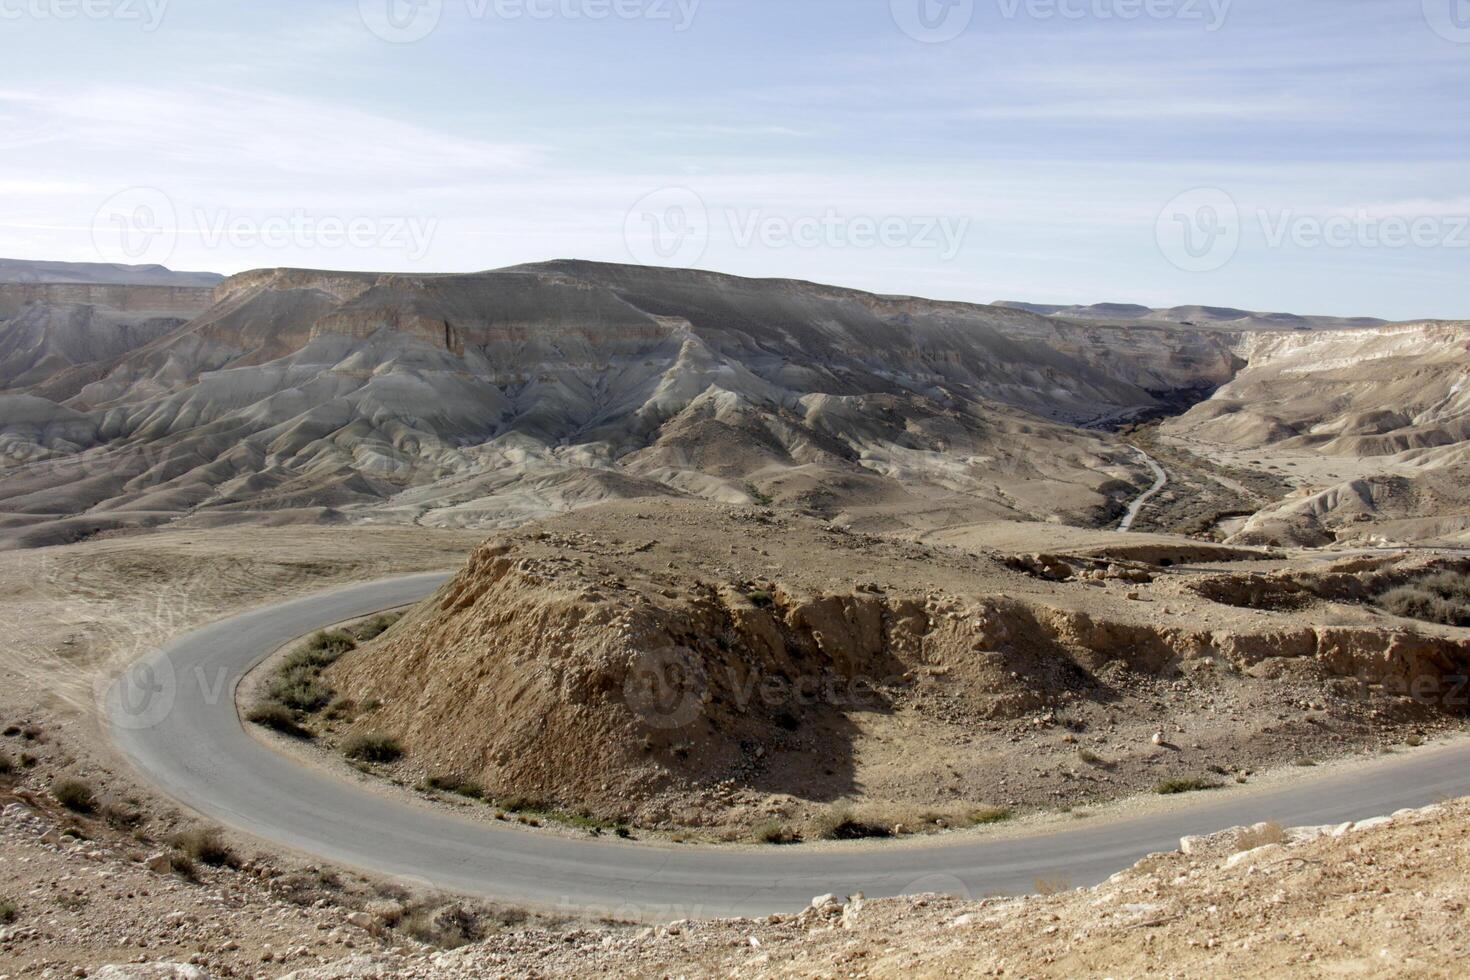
x: 1161, y: 480
x: 175, y: 717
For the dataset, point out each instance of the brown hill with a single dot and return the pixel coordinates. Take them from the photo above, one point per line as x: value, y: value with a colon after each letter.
x: 689, y: 664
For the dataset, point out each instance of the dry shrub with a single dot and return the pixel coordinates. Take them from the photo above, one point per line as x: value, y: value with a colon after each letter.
x: 75, y: 795
x: 1260, y: 835
x: 207, y: 846
x: 1053, y: 885
x: 375, y: 748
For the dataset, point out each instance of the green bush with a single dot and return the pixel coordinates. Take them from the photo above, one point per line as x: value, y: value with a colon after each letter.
x: 328, y: 646
x: 376, y: 627
x: 986, y: 815
x: 1442, y: 598
x: 75, y: 795
x: 1187, y: 784
x: 376, y: 747
x: 277, y: 717
x: 458, y: 785
x: 299, y: 688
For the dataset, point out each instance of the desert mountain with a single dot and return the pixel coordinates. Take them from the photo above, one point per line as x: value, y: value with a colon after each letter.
x: 1378, y: 419
x: 483, y: 400
x: 486, y: 399
x: 101, y: 274
x: 1194, y: 316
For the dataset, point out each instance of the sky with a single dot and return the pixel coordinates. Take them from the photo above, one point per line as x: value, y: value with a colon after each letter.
x: 1308, y: 156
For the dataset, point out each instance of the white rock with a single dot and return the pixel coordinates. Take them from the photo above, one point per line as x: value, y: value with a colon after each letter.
x: 150, y: 971
x: 1373, y: 824
x: 1260, y: 853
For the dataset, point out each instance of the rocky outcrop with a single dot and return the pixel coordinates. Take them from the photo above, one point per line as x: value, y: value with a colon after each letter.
x: 532, y: 677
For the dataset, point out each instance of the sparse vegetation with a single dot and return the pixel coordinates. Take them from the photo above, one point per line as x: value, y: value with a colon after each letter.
x: 985, y: 815
x: 7, y: 766
x: 376, y: 748
x: 759, y: 496
x: 1093, y: 759
x: 207, y: 846
x: 458, y: 785
x: 449, y: 927
x: 1260, y: 835
x: 376, y: 627
x: 183, y: 866
x: 75, y: 795
x: 1442, y: 598
x: 278, y: 717
x: 296, y: 689
x: 9, y: 911
x: 1185, y: 784
x: 1053, y: 885
x: 842, y: 825
x: 120, y: 817
x: 775, y: 832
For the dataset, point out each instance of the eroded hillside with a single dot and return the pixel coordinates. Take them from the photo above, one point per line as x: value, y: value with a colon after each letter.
x: 1373, y: 424
x: 484, y: 400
